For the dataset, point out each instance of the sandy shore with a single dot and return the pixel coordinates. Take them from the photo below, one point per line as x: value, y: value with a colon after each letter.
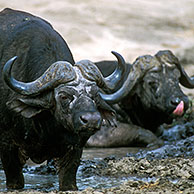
x: 94, y: 28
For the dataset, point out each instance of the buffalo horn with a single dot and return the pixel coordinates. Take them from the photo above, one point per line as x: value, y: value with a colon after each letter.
x: 59, y: 72
x: 122, y: 92
x: 168, y: 56
x: 116, y: 78
x: 110, y: 83
x: 139, y: 69
x: 185, y: 80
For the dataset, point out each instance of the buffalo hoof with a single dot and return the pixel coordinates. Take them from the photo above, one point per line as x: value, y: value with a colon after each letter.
x: 16, y: 184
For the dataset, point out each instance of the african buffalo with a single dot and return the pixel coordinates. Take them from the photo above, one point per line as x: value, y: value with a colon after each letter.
x: 50, y: 105
x: 154, y: 97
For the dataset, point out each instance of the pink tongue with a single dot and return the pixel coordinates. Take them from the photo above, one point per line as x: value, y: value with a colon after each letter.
x: 179, y: 109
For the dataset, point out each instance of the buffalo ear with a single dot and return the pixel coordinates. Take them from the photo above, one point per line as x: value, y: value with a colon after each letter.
x: 107, y: 112
x: 22, y: 108
x: 109, y: 117
x: 30, y: 107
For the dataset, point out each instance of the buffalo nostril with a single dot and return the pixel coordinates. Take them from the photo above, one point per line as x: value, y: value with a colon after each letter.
x: 92, y: 119
x: 84, y: 119
x: 175, y: 101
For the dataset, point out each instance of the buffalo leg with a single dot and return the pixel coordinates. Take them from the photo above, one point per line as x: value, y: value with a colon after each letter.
x: 13, y: 168
x: 67, y: 169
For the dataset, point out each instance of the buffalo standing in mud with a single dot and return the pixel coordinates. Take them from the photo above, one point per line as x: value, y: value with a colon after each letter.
x: 154, y: 97
x: 49, y: 108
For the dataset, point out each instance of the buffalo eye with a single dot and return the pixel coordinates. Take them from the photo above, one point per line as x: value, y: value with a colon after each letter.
x: 62, y: 97
x: 65, y: 99
x: 154, y: 85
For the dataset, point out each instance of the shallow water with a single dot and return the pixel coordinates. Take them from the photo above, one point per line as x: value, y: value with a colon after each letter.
x: 33, y: 181
x: 92, y: 153
x: 50, y: 182
x: 93, y: 159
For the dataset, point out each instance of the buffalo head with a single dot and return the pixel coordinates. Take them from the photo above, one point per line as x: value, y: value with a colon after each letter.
x: 71, y: 93
x: 153, y: 92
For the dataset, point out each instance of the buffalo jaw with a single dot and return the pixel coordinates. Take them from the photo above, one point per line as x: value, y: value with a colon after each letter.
x: 86, y: 118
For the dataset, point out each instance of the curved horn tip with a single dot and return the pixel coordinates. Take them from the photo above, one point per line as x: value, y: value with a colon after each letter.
x: 10, y: 61
x: 13, y: 59
x: 115, y: 53
x: 118, y: 56
x: 9, y: 64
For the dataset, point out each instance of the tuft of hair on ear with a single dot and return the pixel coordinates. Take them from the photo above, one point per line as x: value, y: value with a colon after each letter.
x: 23, y: 109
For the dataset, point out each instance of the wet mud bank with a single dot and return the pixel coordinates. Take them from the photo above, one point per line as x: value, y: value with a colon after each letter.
x: 169, y: 169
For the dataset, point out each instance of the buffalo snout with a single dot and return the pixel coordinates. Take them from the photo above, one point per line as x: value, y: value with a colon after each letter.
x: 86, y: 117
x: 179, y: 105
x: 90, y: 120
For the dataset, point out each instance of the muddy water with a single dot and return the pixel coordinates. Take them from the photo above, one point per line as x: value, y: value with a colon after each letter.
x: 169, y: 168
x: 49, y: 182
x: 92, y: 153
x: 33, y: 181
